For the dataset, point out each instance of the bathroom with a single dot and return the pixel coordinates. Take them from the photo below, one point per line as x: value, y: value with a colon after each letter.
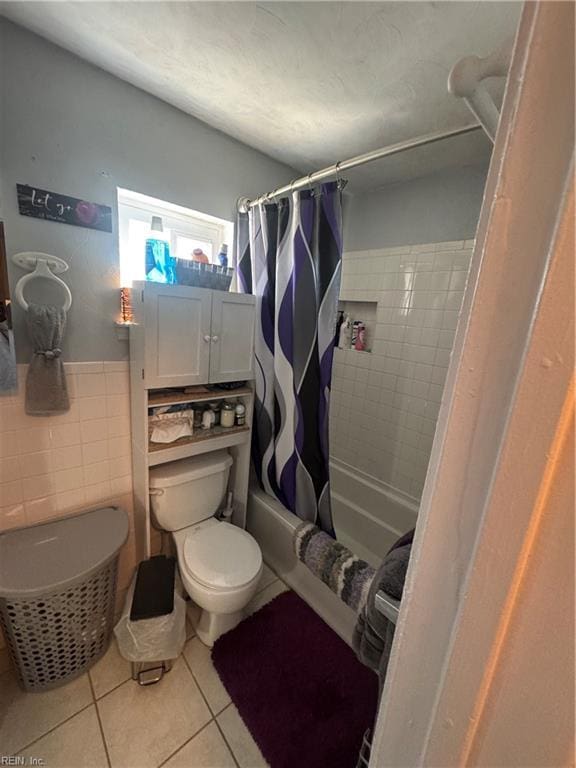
x: 97, y: 106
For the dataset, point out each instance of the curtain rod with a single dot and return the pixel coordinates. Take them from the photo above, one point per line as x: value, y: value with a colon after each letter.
x: 244, y: 204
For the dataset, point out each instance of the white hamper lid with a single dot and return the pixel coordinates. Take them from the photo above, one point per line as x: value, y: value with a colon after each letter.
x: 44, y: 558
x: 185, y: 470
x: 222, y: 555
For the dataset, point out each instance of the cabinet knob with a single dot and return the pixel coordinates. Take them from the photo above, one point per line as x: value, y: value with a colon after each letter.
x: 215, y: 338
x: 207, y: 338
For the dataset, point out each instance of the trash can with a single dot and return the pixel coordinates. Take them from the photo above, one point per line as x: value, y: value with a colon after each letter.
x: 57, y: 593
x: 151, y: 645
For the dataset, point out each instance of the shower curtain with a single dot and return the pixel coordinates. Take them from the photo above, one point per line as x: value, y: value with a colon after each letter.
x: 289, y: 257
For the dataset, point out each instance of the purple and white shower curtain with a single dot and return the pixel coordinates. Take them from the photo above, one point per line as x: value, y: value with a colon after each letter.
x: 289, y: 257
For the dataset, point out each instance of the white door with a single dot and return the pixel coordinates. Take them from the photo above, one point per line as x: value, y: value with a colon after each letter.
x: 232, y: 346
x: 177, y: 320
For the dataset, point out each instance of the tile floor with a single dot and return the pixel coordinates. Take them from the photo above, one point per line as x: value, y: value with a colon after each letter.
x: 105, y: 720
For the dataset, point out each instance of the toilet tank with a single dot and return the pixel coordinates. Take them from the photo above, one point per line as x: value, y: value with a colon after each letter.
x: 185, y: 492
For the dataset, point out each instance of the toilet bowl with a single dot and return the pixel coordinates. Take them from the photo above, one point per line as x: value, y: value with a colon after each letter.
x: 220, y: 564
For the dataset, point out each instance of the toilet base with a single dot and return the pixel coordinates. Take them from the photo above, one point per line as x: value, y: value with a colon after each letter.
x: 211, y: 625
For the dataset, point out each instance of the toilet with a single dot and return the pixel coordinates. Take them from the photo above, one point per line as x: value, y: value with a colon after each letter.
x: 220, y: 564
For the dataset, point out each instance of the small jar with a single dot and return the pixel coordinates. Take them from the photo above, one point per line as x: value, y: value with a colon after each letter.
x: 227, y: 415
x: 198, y: 412
x: 208, y: 419
x: 216, y: 406
x: 240, y: 412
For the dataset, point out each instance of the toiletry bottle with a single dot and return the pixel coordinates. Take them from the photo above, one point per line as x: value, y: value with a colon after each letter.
x: 160, y: 266
x: 357, y: 326
x: 339, y: 324
x: 346, y: 333
x: 223, y: 255
x: 208, y: 419
x: 215, y: 406
x: 227, y: 415
x: 360, y: 343
x: 240, y: 415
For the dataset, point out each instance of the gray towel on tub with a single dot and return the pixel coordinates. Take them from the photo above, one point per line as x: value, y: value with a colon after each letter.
x: 374, y: 633
x: 46, y: 391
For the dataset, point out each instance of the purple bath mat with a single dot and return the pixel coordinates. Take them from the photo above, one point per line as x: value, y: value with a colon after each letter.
x: 299, y: 688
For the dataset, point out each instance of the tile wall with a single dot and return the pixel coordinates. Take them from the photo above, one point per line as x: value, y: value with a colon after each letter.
x: 52, y: 466
x: 385, y: 402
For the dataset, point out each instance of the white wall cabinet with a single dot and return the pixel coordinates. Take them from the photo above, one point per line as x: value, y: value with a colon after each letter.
x: 232, y: 347
x: 186, y: 336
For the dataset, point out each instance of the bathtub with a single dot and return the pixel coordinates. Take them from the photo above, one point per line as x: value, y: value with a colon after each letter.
x: 368, y: 518
x: 368, y: 515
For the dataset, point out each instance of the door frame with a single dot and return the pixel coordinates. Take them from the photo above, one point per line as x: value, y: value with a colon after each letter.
x: 506, y: 411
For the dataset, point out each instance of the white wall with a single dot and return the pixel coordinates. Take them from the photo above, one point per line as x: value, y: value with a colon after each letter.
x: 72, y: 128
x: 385, y: 402
x: 431, y: 209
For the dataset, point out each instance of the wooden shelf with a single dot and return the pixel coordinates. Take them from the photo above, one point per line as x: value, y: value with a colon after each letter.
x: 174, y: 398
x: 203, y: 441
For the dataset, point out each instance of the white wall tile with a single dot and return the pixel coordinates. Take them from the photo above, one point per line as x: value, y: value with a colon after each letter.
x: 37, y: 463
x: 55, y: 465
x: 65, y: 435
x: 91, y: 384
x: 12, y: 516
x: 32, y: 440
x: 9, y: 444
x: 94, y: 430
x: 92, y: 408
x: 10, y: 469
x: 68, y: 479
x: 40, y: 509
x: 117, y: 383
x: 92, y: 453
x: 385, y: 404
x: 65, y: 458
x: 40, y: 485
x: 11, y: 493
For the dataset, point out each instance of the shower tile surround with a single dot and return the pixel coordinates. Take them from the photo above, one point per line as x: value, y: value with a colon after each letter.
x: 385, y: 403
x: 52, y: 466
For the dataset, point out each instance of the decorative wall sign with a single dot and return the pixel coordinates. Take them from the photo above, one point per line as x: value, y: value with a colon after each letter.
x: 41, y: 204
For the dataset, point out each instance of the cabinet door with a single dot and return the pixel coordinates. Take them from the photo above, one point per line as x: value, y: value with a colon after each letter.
x: 232, y: 347
x: 177, y: 347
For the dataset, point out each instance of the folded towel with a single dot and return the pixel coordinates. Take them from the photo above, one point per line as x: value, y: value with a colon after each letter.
x: 345, y: 574
x: 374, y: 633
x: 46, y: 391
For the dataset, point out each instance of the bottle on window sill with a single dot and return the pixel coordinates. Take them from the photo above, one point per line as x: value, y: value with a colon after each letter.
x: 223, y: 256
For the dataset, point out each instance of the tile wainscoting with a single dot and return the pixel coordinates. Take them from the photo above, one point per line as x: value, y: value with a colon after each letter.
x: 53, y: 466
x: 385, y: 403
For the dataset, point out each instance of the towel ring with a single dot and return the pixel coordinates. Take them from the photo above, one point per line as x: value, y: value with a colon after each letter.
x: 45, y: 266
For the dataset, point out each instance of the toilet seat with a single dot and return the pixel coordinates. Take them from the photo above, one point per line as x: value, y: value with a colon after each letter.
x: 221, y: 556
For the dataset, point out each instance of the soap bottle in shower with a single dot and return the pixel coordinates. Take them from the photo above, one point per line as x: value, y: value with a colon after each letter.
x: 339, y: 323
x: 346, y: 333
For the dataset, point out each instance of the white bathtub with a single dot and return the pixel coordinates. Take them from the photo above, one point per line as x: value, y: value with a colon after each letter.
x: 367, y: 517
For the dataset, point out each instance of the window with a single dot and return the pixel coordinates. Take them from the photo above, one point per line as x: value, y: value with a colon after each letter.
x: 183, y: 228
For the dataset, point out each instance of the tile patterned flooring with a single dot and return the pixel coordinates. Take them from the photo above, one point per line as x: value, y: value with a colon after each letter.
x: 105, y: 720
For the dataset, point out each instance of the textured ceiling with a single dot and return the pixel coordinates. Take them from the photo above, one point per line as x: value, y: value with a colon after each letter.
x: 308, y: 83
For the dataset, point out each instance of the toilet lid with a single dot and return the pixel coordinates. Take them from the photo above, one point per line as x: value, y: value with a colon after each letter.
x: 222, y: 556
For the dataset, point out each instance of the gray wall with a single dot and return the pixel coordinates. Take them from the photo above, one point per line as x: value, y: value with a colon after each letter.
x: 72, y: 128
x: 431, y: 209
